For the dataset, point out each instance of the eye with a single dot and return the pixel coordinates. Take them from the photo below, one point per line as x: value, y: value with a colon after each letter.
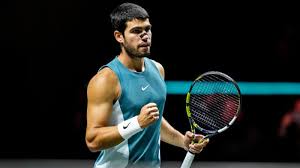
x: 147, y: 29
x: 136, y: 30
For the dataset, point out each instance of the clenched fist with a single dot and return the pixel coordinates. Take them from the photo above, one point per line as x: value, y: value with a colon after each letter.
x: 148, y: 115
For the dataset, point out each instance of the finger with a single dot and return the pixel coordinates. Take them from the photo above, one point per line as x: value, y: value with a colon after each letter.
x: 189, y: 134
x: 199, y: 136
x: 151, y: 105
x: 156, y: 117
x: 194, y: 150
x: 152, y: 109
x: 155, y: 113
x: 196, y: 147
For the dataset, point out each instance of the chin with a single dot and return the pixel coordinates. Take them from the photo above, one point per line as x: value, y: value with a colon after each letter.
x: 146, y: 55
x: 142, y: 55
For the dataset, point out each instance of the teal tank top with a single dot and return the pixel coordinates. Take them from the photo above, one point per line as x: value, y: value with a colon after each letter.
x: 138, y: 89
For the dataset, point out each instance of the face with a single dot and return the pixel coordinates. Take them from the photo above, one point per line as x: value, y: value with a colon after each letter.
x: 137, y: 38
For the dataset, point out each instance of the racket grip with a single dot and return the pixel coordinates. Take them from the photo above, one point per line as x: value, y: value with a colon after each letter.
x: 187, y: 162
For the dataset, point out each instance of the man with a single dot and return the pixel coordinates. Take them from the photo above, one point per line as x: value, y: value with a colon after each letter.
x: 126, y: 100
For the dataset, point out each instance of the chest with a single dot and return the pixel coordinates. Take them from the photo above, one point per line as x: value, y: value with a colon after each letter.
x: 138, y: 91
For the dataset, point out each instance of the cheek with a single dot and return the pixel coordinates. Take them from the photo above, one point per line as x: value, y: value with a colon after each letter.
x: 133, y: 40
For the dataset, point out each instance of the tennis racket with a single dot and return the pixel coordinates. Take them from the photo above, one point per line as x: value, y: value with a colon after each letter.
x: 212, y: 105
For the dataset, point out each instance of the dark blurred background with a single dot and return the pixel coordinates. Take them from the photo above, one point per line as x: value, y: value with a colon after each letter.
x: 51, y: 49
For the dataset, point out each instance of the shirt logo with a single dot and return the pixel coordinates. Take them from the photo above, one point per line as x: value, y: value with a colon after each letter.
x: 125, y: 126
x: 144, y: 88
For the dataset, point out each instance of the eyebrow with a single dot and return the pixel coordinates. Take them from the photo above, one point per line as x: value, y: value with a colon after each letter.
x: 140, y: 27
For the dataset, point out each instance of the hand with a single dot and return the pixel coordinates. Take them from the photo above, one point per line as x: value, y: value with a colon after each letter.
x: 148, y: 115
x: 198, y: 145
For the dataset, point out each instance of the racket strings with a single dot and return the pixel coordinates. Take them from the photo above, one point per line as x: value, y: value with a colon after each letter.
x: 214, y: 102
x: 204, y: 120
x: 203, y: 117
x: 230, y: 108
x: 211, y: 115
x: 208, y: 120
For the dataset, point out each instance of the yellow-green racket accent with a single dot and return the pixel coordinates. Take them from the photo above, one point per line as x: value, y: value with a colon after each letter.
x: 187, y: 105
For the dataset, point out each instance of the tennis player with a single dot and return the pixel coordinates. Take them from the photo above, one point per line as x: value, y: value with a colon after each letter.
x: 126, y: 100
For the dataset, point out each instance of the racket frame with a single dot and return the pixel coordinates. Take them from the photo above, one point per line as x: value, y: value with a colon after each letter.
x: 193, y: 124
x: 187, y: 162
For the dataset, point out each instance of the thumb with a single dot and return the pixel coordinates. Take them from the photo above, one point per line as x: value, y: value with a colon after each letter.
x: 189, y: 134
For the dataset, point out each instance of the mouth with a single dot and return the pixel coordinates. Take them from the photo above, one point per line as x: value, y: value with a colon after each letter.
x: 144, y: 45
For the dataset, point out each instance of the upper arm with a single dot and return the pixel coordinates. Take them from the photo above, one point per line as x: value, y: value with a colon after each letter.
x: 102, y: 91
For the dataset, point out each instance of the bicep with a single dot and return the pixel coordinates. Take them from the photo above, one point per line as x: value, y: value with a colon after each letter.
x: 98, y: 113
x: 100, y: 95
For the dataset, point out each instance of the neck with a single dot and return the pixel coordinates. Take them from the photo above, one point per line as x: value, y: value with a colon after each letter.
x: 132, y: 63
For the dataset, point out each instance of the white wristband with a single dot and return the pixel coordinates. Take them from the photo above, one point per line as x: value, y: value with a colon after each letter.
x: 129, y: 127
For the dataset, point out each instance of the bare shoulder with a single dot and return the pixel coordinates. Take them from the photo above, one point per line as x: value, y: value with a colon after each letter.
x: 105, y: 82
x: 104, y: 77
x: 160, y: 67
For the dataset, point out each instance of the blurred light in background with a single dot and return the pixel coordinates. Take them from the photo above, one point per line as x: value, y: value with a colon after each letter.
x: 247, y: 88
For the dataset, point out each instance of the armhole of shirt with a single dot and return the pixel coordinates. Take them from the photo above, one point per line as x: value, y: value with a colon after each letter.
x: 157, y: 68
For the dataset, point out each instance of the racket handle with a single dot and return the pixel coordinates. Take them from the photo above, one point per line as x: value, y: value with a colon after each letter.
x: 187, y: 162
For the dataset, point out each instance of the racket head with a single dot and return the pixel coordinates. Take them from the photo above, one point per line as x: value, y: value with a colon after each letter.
x: 213, y: 103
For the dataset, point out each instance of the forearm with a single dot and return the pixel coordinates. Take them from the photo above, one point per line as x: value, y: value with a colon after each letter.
x: 99, y: 138
x: 171, y: 135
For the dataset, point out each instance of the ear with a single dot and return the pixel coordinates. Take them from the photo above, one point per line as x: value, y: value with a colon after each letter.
x: 119, y: 36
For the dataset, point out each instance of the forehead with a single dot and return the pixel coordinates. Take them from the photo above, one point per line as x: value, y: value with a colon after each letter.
x: 137, y: 23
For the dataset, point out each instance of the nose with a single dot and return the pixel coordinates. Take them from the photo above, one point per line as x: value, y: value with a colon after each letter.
x: 144, y: 35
